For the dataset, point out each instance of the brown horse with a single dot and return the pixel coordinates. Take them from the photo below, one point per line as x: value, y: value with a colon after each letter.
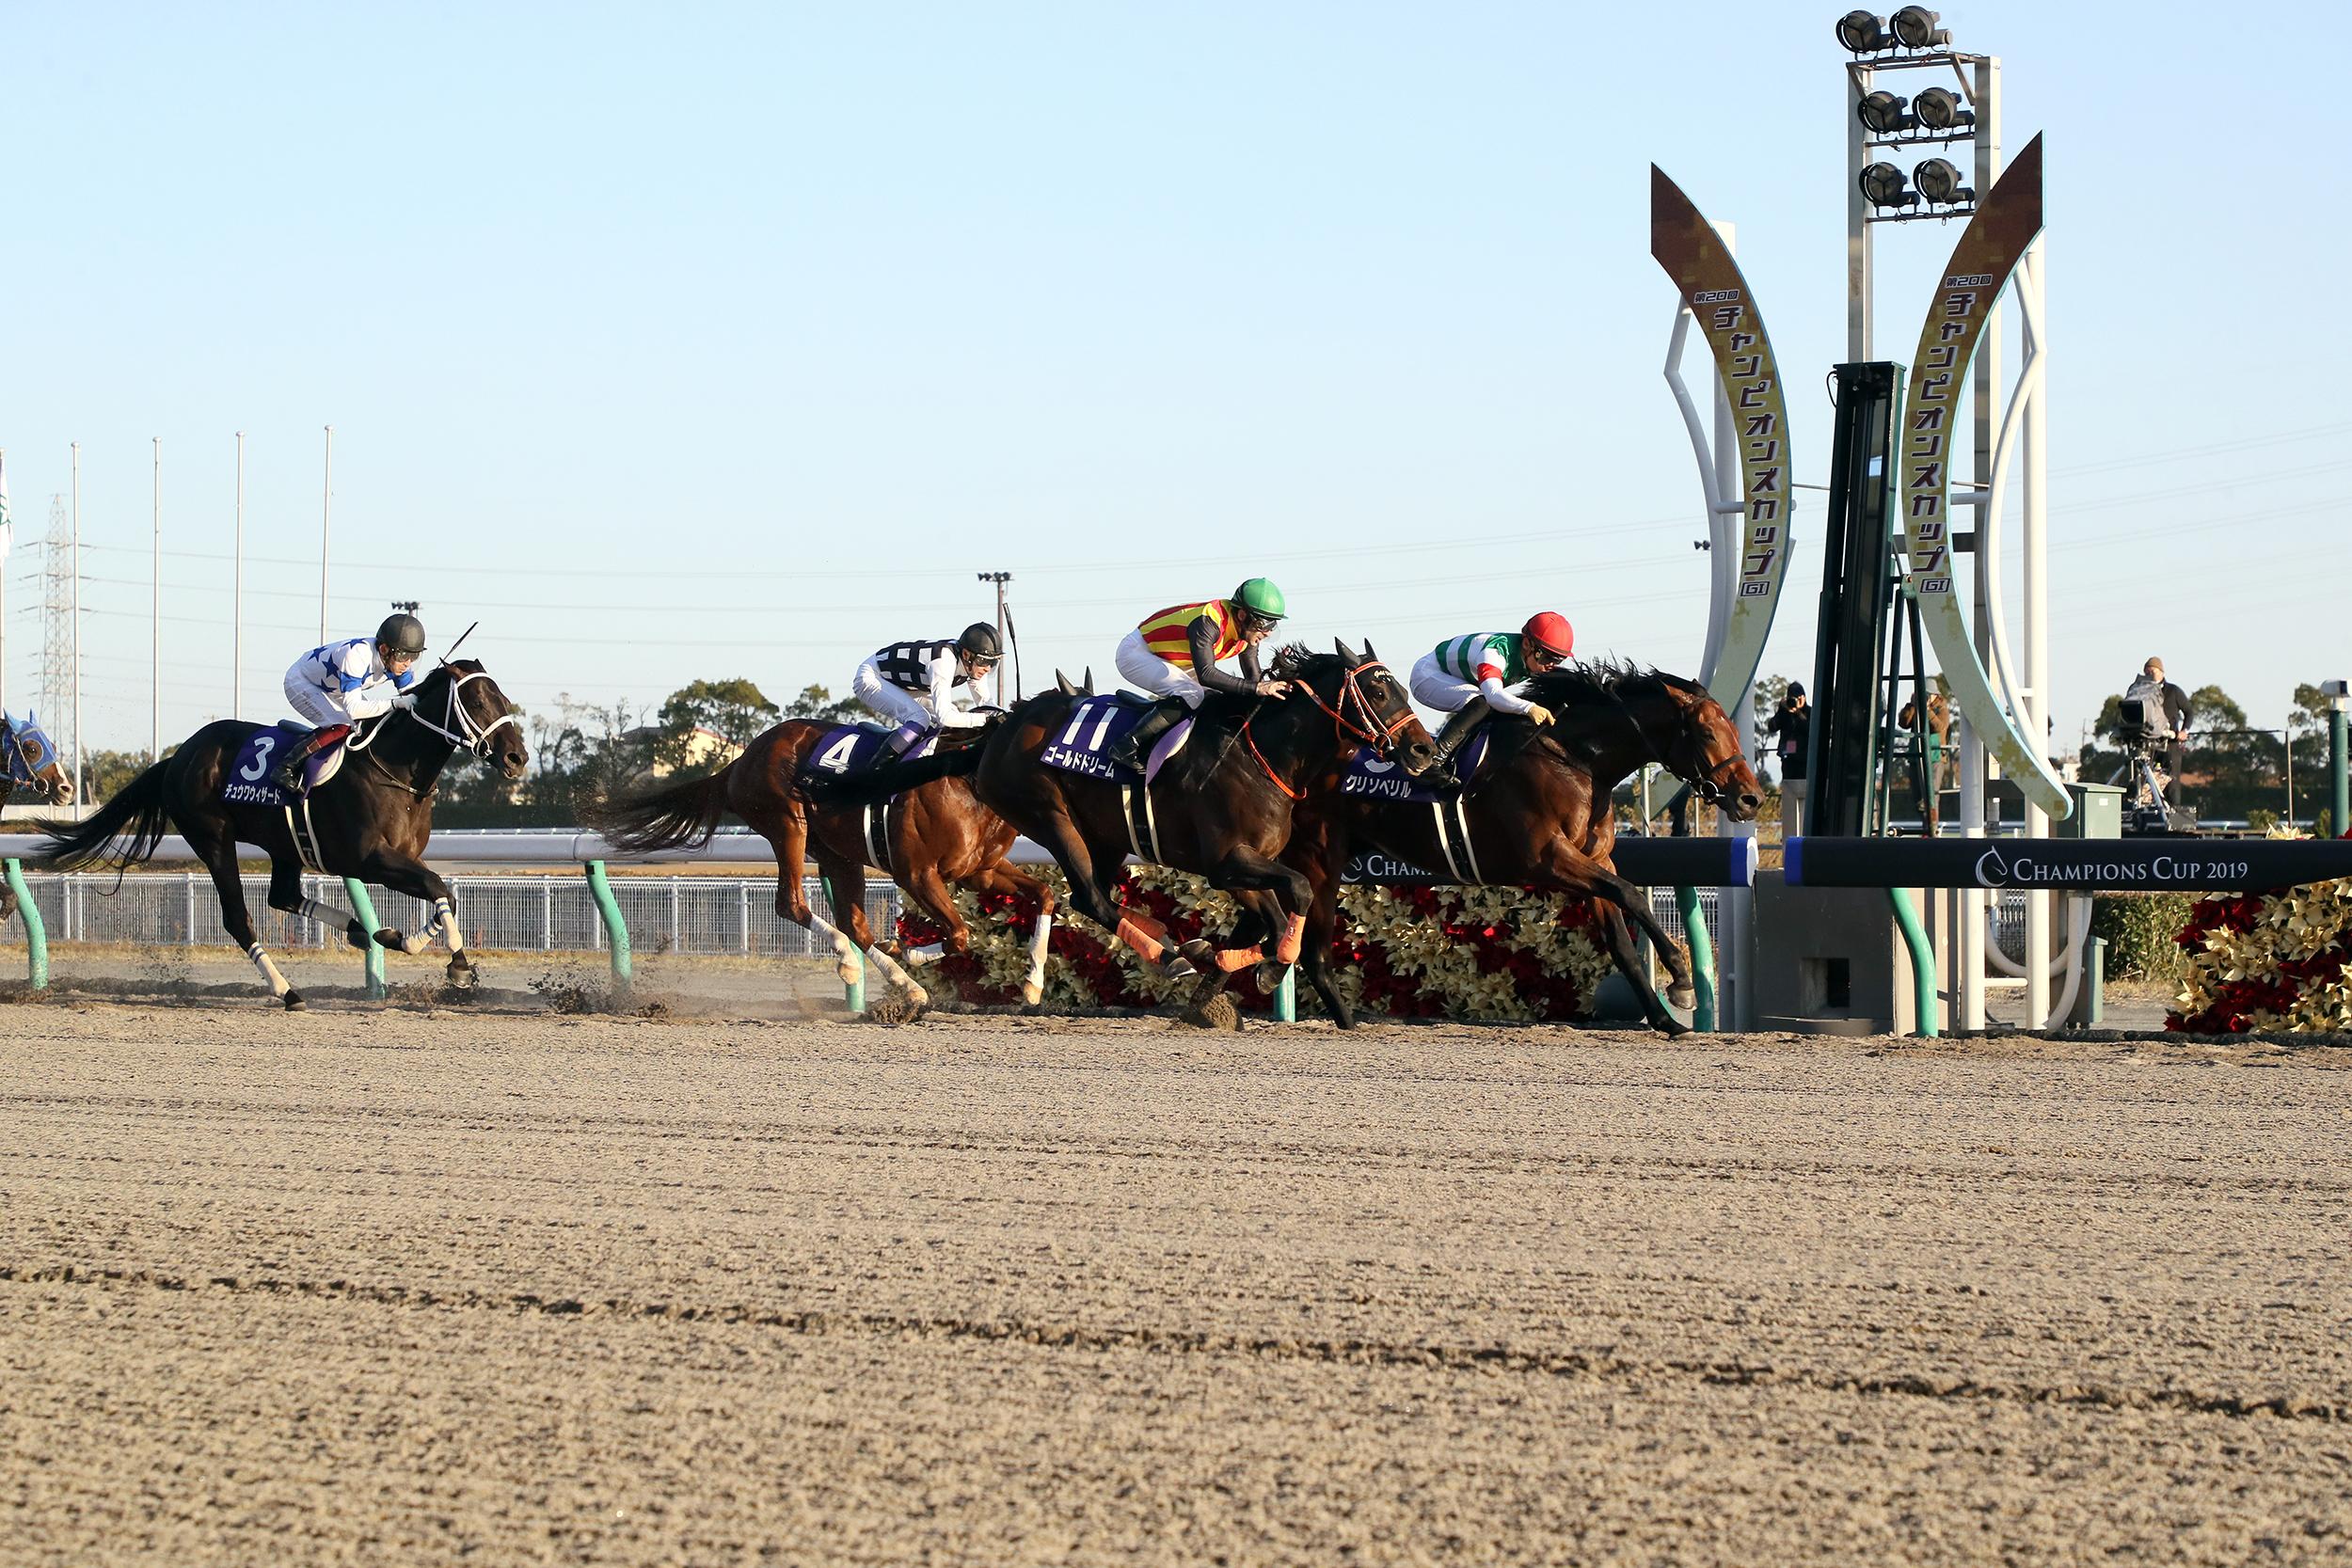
x: 1221, y: 807
x: 934, y: 836
x: 1538, y: 812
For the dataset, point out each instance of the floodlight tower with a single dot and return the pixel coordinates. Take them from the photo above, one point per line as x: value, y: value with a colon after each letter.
x: 2005, y: 719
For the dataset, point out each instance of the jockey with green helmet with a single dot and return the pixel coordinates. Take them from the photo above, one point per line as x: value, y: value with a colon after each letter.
x: 1174, y: 655
x: 1471, y: 676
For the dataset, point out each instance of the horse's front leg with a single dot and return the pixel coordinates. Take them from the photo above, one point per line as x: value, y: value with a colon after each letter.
x: 1003, y: 877
x: 408, y: 874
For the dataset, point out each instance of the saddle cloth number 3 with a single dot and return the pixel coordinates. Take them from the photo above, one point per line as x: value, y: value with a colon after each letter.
x: 263, y: 746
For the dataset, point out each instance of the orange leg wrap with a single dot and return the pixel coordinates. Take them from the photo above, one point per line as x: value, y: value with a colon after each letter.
x: 1232, y: 958
x: 1293, y: 939
x: 1144, y: 935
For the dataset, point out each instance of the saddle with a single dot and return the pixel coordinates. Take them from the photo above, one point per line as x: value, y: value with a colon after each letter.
x: 252, y: 776
x: 1097, y: 724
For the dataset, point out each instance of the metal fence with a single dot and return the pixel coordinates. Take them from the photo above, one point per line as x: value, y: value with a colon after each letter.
x: 706, y: 915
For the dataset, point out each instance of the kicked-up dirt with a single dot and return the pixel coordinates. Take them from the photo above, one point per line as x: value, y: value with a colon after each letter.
x: 397, y: 1284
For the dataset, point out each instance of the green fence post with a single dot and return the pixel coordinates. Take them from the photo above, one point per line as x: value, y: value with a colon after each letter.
x: 364, y: 907
x: 1286, y: 996
x: 615, y: 929
x: 1702, y: 959
x: 1922, y: 961
x: 852, y: 992
x: 36, y: 934
x: 2339, y: 776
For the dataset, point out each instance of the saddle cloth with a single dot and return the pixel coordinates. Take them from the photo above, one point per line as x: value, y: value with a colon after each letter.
x: 1371, y: 777
x: 847, y: 749
x: 251, y: 779
x: 1096, y: 725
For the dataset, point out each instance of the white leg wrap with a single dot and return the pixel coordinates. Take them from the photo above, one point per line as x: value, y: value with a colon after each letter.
x: 270, y: 976
x: 845, y: 959
x: 899, y: 977
x: 928, y: 953
x: 331, y: 916
x: 444, y: 919
x: 1033, y: 989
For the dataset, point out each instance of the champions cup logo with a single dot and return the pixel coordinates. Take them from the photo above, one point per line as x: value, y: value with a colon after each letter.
x: 1992, y: 871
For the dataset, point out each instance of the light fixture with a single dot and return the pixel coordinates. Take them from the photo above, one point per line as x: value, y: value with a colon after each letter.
x: 1883, y: 186
x: 1939, y: 182
x: 1914, y: 28
x: 1939, y: 109
x: 1881, y: 114
x: 1862, y: 32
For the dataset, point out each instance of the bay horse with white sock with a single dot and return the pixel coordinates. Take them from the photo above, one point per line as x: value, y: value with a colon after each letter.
x: 370, y: 819
x: 932, y: 836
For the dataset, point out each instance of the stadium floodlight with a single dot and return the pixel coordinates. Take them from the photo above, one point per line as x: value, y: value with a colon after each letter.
x: 1939, y: 182
x: 1862, y: 33
x: 1883, y: 186
x: 1939, y: 109
x: 1914, y: 28
x: 1881, y: 114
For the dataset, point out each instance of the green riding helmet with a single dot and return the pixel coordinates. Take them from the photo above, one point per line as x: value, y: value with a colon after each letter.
x: 1261, y: 598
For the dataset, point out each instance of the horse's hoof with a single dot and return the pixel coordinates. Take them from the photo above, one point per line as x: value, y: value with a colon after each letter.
x: 295, y: 1003
x: 1269, y: 976
x: 1031, y: 995
x: 1685, y: 997
x: 850, y: 974
x: 1178, y: 968
x: 1673, y: 1028
x: 356, y: 935
x: 917, y: 998
x: 387, y: 938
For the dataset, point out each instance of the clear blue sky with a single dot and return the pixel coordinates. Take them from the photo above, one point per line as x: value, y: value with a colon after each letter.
x: 714, y: 341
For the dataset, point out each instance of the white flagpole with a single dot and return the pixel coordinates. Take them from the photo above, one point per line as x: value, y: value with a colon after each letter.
x: 236, y: 613
x: 155, y: 613
x: 79, y: 793
x: 326, y: 529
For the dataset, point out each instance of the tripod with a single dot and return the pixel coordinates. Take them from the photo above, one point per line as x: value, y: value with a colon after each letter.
x: 2145, y: 809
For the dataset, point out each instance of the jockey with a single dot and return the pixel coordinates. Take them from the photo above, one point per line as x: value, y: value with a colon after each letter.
x: 1174, y: 655
x: 1469, y: 677
x: 928, y: 685
x: 336, y: 686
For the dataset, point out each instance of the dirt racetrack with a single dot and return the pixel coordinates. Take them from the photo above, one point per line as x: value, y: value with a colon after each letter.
x: 409, y: 1287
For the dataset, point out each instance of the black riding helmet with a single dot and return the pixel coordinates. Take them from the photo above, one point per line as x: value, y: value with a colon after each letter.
x: 403, y: 634
x: 979, y: 641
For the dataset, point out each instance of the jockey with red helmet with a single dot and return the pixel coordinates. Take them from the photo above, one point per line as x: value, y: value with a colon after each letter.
x: 1471, y: 676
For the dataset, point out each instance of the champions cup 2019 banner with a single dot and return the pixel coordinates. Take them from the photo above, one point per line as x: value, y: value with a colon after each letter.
x: 1719, y: 301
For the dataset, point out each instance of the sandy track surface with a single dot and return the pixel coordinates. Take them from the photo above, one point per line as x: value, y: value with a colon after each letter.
x: 410, y: 1287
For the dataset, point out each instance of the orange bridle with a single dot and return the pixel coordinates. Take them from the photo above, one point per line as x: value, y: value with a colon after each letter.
x: 1370, y: 730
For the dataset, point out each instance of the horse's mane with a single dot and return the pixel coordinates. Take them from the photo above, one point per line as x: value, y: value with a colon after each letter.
x: 1604, y: 680
x: 1297, y: 661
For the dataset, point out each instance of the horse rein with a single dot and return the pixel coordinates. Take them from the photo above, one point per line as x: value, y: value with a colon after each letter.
x: 1702, y: 780
x: 467, y: 735
x: 1370, y: 732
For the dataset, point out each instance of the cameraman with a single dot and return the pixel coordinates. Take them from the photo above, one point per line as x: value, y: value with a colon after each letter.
x: 2172, y: 702
x: 1793, y: 724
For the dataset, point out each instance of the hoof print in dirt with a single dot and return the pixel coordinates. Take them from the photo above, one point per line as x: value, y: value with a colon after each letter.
x: 891, y: 1011
x: 1217, y: 1012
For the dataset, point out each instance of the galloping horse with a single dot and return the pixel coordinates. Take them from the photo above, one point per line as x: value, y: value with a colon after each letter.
x: 32, y: 763
x: 1221, y: 807
x: 934, y: 836
x: 1538, y: 814
x: 370, y: 819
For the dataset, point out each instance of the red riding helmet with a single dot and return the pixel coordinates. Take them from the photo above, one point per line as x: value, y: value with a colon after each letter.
x: 1550, y: 632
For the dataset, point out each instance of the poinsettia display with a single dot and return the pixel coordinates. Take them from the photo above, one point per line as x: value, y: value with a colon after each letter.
x: 1501, y: 955
x: 2272, y: 962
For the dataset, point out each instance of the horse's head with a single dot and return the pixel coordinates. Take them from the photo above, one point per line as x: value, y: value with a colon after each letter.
x: 1705, y: 751
x: 1632, y: 717
x: 1365, y: 700
x: 33, y: 762
x: 465, y: 706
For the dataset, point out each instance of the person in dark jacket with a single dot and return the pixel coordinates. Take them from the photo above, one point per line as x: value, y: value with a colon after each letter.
x: 1793, y: 724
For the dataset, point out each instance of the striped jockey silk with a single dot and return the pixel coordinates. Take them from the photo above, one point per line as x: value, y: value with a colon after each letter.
x: 908, y: 665
x: 1164, y: 633
x: 1461, y: 657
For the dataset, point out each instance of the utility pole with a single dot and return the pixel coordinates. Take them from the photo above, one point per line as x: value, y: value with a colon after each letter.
x: 999, y: 578
x: 236, y: 600
x: 326, y: 529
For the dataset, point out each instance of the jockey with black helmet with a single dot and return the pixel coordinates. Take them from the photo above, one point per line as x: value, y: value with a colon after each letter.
x: 336, y: 686
x: 930, y: 685
x: 1174, y: 655
x: 1471, y: 676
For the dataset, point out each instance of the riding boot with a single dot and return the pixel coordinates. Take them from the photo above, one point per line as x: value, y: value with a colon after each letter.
x: 1135, y: 748
x: 289, y: 774
x: 1457, y: 729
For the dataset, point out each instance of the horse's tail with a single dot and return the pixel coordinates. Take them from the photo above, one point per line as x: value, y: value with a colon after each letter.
x: 122, y: 834
x: 892, y: 778
x: 687, y: 813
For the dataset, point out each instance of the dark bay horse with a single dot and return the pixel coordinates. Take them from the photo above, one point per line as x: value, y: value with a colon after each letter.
x: 1222, y: 806
x: 33, y: 764
x: 372, y: 819
x: 1538, y: 812
x: 935, y: 836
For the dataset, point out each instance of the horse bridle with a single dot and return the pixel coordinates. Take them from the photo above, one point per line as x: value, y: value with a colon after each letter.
x: 21, y: 754
x: 1703, y: 781
x: 1371, y: 732
x: 467, y: 734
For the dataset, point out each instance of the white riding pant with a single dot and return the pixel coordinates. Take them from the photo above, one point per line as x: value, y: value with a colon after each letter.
x: 1139, y: 666
x: 313, y: 703
x: 1433, y: 687
x: 895, y: 703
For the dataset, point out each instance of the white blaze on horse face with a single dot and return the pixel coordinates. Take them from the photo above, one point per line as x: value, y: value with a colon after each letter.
x: 270, y: 976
